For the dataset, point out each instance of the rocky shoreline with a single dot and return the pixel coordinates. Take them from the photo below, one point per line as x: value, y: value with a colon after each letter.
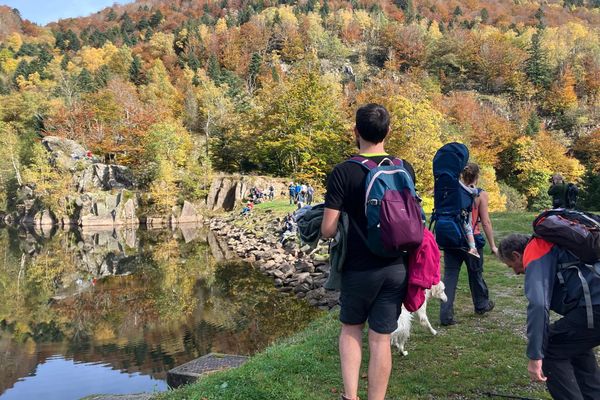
x: 294, y: 269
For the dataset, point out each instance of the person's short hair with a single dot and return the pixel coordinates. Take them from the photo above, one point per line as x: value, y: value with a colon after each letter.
x: 513, y: 242
x: 372, y: 122
x: 557, y: 178
x: 470, y: 173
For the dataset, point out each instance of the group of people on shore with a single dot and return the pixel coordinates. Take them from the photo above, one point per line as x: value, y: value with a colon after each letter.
x: 301, y: 193
x: 373, y: 287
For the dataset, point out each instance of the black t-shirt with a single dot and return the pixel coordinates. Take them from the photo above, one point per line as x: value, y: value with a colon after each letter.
x: 346, y: 192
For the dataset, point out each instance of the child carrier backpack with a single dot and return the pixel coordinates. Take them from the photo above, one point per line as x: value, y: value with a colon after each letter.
x: 394, y: 216
x: 452, y: 200
x: 579, y: 234
x: 571, y: 195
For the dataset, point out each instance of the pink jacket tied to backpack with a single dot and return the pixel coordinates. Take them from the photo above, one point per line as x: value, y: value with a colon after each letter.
x: 423, y: 271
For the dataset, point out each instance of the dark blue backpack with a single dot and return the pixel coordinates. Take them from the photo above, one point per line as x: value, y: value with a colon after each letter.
x: 452, y: 201
x: 394, y: 215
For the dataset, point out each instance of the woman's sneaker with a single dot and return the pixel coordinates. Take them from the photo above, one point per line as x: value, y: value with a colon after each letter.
x: 489, y: 308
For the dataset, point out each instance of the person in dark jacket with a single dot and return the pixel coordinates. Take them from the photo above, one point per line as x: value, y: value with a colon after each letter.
x: 562, y: 353
x: 558, y: 191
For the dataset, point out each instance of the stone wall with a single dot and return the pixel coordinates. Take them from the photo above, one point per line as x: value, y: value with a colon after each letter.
x: 294, y: 270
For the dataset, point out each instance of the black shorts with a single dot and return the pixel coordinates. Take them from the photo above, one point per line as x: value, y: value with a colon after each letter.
x: 375, y: 295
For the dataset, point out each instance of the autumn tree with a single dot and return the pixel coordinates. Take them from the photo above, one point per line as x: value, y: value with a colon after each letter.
x: 301, y: 131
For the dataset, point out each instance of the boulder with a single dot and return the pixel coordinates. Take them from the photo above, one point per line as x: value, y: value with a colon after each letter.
x: 65, y: 153
x: 104, y: 177
x: 188, y: 214
x: 108, y: 209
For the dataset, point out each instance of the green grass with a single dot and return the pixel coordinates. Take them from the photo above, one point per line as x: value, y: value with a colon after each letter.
x: 480, y: 354
x: 277, y: 207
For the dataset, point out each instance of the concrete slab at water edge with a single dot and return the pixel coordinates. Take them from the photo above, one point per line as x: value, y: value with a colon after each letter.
x: 191, y: 371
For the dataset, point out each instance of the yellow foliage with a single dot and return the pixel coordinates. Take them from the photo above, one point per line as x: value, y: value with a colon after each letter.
x: 14, y: 41
x: 204, y: 32
x: 9, y: 65
x: 537, y: 158
x: 561, y: 40
x: 161, y: 44
x: 109, y: 50
x: 221, y: 26
x: 415, y: 135
x: 103, y: 331
x: 286, y: 15
x: 91, y: 58
x: 487, y: 180
x: 434, y: 31
x: 363, y: 19
x: 163, y: 190
x: 30, y: 82
x: 160, y: 91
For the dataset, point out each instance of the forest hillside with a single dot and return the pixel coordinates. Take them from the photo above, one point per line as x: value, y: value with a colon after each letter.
x: 176, y: 90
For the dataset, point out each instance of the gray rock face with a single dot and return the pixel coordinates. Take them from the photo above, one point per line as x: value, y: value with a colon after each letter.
x: 103, y: 177
x: 108, y: 209
x: 188, y: 214
x: 65, y: 152
x: 227, y: 190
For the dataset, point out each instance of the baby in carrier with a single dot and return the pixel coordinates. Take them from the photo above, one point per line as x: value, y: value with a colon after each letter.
x: 468, y: 185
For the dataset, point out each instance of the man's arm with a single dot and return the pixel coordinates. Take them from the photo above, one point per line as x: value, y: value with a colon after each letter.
x: 539, y: 282
x: 486, y: 222
x: 334, y: 203
x: 330, y: 222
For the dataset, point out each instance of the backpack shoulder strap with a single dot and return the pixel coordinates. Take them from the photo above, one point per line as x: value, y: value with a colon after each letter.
x: 363, y: 161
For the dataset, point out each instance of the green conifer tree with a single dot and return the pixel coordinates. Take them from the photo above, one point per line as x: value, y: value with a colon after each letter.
x: 537, y: 67
x: 136, y: 73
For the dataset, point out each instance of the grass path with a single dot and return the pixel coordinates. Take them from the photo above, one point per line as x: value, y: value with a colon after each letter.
x: 480, y: 354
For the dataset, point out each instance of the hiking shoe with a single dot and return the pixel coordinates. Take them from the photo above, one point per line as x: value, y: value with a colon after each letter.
x: 449, y: 323
x: 489, y: 308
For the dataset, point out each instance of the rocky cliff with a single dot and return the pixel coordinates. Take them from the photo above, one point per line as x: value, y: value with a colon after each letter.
x: 227, y: 190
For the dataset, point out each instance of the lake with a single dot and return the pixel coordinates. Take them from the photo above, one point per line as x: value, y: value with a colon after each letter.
x: 86, y: 312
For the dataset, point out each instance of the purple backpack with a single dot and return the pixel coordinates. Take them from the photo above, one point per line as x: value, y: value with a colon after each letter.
x: 394, y: 215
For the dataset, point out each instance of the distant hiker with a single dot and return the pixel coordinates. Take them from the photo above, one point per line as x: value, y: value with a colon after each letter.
x: 271, y: 192
x: 247, y: 210
x: 571, y: 196
x: 290, y: 228
x: 292, y: 192
x: 560, y: 353
x: 298, y: 190
x: 558, y: 191
x: 372, y: 286
x: 310, y: 192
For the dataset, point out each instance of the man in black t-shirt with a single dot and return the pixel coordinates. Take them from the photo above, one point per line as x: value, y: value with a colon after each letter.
x: 372, y: 287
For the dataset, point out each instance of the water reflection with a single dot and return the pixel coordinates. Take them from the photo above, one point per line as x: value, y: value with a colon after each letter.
x: 92, y: 305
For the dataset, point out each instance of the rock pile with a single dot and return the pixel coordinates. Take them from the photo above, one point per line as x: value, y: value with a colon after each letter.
x: 293, y: 269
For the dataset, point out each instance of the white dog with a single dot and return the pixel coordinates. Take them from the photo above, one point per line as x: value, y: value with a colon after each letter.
x: 402, y: 333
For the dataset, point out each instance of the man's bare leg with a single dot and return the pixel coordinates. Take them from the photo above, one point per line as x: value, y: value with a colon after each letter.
x: 380, y: 364
x: 350, y: 357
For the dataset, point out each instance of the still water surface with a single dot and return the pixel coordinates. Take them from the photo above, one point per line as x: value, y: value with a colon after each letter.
x: 112, y: 311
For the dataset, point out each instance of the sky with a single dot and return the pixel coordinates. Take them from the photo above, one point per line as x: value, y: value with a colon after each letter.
x: 44, y: 11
